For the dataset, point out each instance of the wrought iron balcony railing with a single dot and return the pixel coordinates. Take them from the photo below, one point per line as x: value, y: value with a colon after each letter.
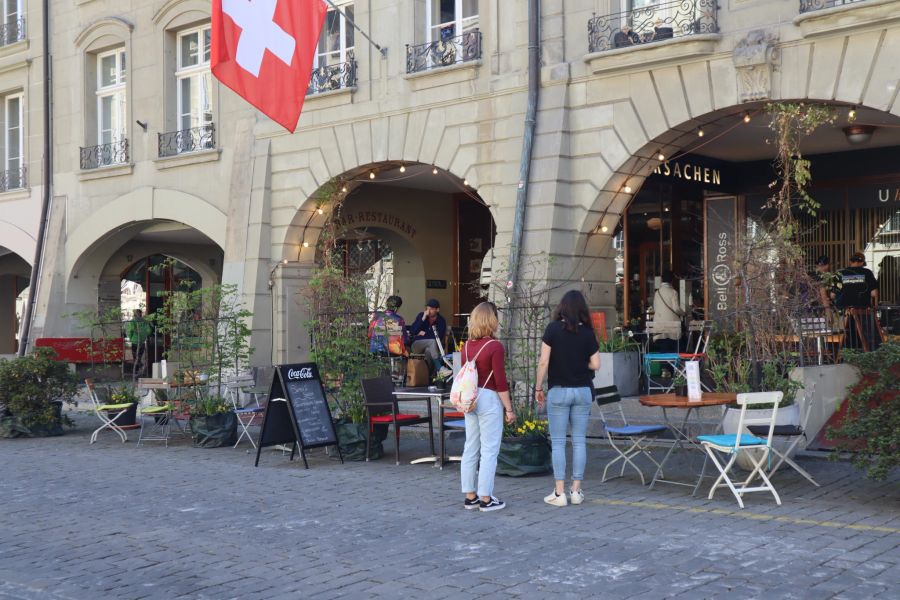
x: 444, y: 52
x: 652, y: 23
x: 328, y: 78
x: 104, y: 155
x: 12, y: 32
x: 14, y: 179
x: 811, y: 5
x: 195, y: 139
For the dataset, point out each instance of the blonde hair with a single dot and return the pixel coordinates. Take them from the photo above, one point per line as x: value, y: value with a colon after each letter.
x: 483, y: 321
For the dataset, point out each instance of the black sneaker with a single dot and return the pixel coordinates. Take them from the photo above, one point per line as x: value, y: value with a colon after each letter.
x: 472, y: 504
x: 494, y: 504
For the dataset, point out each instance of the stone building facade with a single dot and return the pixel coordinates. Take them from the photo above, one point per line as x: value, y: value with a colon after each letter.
x: 239, y: 200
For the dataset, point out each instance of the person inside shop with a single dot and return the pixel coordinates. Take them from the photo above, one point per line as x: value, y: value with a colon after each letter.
x: 625, y: 37
x: 425, y: 330
x: 387, y: 330
x: 138, y: 330
x: 667, y: 311
x: 857, y: 297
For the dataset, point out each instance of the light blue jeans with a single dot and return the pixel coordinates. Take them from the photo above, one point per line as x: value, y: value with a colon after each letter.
x: 565, y: 406
x: 484, y: 431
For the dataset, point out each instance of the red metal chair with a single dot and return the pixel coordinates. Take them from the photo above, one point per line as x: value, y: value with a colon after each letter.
x: 382, y: 409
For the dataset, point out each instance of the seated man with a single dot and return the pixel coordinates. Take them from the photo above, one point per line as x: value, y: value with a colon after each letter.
x: 387, y: 330
x: 422, y: 332
x: 625, y: 37
x: 666, y: 309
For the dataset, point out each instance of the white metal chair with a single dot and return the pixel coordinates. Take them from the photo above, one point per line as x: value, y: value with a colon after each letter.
x: 756, y: 448
x: 798, y: 432
x: 103, y: 411
x: 161, y: 427
x: 635, y: 435
x: 698, y: 341
x: 246, y: 415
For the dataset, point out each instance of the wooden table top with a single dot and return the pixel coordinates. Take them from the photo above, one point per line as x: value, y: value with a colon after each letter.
x: 673, y: 401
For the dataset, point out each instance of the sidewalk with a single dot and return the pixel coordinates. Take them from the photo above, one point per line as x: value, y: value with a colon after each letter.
x: 115, y: 521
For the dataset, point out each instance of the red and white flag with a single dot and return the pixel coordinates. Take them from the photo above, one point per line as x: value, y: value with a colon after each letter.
x: 264, y: 50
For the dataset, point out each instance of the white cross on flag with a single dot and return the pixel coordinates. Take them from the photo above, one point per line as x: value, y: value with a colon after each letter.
x: 264, y: 49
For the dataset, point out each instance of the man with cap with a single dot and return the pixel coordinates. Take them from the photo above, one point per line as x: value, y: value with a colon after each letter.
x: 857, y: 295
x: 423, y: 329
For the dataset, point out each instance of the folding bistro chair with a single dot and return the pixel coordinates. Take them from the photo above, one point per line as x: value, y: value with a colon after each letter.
x: 756, y: 448
x: 635, y: 435
x: 798, y: 432
x: 671, y: 360
x: 451, y: 420
x: 382, y: 409
x: 698, y: 340
x: 102, y: 410
x: 246, y: 415
x: 161, y: 424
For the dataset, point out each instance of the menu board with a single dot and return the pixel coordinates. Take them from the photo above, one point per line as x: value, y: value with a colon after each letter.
x: 297, y: 411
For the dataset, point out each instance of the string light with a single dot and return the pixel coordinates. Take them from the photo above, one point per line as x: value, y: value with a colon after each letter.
x: 465, y: 182
x: 700, y: 132
x: 627, y: 189
x: 604, y: 229
x: 320, y: 211
x: 403, y: 168
x: 306, y: 244
x: 852, y: 114
x: 371, y: 174
x: 284, y: 261
x: 344, y: 189
x: 746, y: 117
x: 660, y: 156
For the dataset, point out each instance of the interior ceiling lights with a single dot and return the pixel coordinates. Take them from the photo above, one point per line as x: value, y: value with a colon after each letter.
x: 859, y: 134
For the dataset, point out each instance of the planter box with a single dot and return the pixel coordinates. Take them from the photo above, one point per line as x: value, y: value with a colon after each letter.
x: 827, y: 386
x: 524, y: 456
x: 214, y: 431
x: 788, y: 415
x: 622, y: 369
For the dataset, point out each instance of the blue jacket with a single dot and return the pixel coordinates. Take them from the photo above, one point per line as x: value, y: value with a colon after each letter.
x: 420, y: 324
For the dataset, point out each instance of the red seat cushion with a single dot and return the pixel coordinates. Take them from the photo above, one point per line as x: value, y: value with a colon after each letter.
x: 692, y: 356
x: 389, y: 418
x: 454, y: 415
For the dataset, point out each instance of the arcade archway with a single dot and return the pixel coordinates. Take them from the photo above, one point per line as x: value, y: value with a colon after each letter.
x: 14, y: 279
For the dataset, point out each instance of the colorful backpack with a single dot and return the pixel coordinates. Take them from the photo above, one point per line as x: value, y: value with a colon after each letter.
x: 464, y: 393
x: 386, y: 335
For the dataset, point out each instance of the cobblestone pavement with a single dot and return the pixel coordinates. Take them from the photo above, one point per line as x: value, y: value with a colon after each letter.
x: 115, y: 521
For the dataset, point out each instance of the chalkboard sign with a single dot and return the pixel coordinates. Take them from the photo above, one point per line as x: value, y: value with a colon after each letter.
x: 297, y: 411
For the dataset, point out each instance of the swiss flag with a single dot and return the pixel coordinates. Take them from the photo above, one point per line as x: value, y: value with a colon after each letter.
x: 264, y: 49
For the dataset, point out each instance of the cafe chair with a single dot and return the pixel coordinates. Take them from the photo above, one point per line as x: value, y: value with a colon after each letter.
x: 757, y: 449
x: 382, y: 409
x: 666, y: 360
x: 797, y: 432
x: 246, y: 415
x: 104, y: 409
x: 635, y: 437
x: 451, y: 420
x: 697, y: 342
x: 160, y: 426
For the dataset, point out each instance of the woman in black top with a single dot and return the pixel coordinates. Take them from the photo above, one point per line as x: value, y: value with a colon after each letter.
x: 570, y: 353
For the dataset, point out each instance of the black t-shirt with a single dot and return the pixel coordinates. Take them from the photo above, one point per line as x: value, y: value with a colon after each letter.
x: 856, y: 285
x: 570, y: 355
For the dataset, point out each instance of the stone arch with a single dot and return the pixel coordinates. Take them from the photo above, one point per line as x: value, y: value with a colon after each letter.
x: 113, y: 28
x: 176, y: 13
x: 19, y: 241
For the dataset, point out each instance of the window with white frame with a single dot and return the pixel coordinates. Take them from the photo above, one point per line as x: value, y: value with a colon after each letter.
x: 449, y: 18
x: 111, y: 106
x: 336, y: 41
x: 194, y: 88
x: 13, y: 176
x: 13, y: 26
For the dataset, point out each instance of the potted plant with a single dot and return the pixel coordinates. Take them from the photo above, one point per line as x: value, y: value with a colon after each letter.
x: 443, y: 378
x: 525, y: 449
x: 680, y: 385
x: 213, y: 422
x: 32, y: 391
x: 620, y: 363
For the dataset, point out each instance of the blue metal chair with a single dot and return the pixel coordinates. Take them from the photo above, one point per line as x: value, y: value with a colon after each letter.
x: 671, y: 360
x: 635, y: 435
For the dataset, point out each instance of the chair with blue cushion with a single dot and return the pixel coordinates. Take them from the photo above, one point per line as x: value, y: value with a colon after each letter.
x: 636, y: 435
x: 757, y: 449
x: 246, y: 415
x: 669, y: 360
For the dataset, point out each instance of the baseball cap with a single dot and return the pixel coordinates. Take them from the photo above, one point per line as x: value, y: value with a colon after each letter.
x: 858, y: 257
x: 433, y: 303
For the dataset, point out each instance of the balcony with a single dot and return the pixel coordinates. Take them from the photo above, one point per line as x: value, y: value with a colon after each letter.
x: 812, y: 5
x: 15, y: 179
x: 446, y: 52
x: 13, y: 32
x: 196, y: 139
x: 653, y: 23
x: 331, y: 78
x: 104, y: 155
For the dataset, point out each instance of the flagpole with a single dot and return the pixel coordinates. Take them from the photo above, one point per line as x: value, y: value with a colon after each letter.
x: 356, y: 27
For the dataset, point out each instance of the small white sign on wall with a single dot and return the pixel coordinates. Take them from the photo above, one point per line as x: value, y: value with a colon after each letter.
x: 692, y: 370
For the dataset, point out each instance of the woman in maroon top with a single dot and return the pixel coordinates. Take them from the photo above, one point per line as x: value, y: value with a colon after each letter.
x: 484, y: 425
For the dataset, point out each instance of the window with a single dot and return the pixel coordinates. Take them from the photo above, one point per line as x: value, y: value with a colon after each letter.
x: 111, y: 105
x: 13, y: 29
x: 336, y: 41
x: 13, y: 176
x: 194, y: 80
x: 449, y: 18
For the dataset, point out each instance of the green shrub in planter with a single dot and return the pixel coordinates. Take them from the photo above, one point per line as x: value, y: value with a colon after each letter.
x: 352, y: 440
x: 32, y: 390
x: 213, y: 423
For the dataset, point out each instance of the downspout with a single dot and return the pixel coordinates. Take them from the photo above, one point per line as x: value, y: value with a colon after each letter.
x: 47, y: 179
x: 534, y: 78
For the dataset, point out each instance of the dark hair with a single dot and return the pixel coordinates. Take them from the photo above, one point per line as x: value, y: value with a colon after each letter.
x: 668, y: 276
x: 572, y: 310
x: 394, y: 302
x: 823, y: 260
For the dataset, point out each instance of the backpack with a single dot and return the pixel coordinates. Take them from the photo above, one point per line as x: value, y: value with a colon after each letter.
x: 386, y: 335
x: 464, y: 392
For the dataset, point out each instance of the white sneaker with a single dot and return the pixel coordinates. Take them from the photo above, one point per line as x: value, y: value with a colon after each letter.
x: 576, y: 496
x: 555, y: 500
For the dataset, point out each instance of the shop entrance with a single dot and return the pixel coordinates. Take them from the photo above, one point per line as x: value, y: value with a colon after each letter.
x: 14, y: 278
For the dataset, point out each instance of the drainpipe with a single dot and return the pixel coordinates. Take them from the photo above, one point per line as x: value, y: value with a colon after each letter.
x: 47, y: 178
x: 534, y: 77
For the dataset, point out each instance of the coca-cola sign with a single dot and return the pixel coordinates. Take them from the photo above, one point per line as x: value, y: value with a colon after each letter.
x: 304, y: 373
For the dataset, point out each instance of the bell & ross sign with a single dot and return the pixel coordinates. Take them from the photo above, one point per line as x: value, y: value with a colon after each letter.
x: 720, y: 233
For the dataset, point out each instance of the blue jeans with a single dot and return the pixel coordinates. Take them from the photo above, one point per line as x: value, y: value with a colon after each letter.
x: 564, y: 406
x: 484, y: 431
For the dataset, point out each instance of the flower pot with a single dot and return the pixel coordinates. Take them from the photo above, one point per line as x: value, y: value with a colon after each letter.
x: 352, y: 440
x: 214, y: 431
x: 788, y: 415
x: 127, y: 418
x: 622, y: 369
x: 524, y: 456
x: 681, y: 390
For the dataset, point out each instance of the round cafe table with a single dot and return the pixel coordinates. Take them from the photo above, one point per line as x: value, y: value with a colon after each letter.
x: 679, y: 429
